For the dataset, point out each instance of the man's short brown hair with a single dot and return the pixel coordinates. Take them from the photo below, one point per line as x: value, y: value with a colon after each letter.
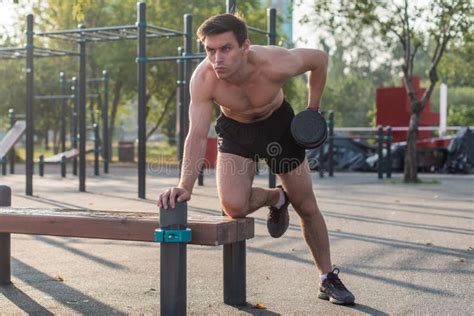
x: 223, y: 23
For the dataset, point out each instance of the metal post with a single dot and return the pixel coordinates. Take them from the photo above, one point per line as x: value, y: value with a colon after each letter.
x: 96, y: 150
x: 141, y: 65
x: 180, y: 106
x: 4, y: 166
x: 271, y: 26
x: 188, y: 47
x: 331, y: 144
x: 62, y: 81
x: 74, y: 122
x: 82, y: 113
x: 271, y: 40
x: 105, y: 122
x: 231, y: 6
x: 388, y: 165
x: 12, y: 117
x: 63, y: 166
x: 41, y: 165
x: 201, y: 170
x: 380, y: 151
x: 235, y: 273
x: 5, y: 240
x: 321, y: 161
x: 173, y: 263
x: 30, y: 128
x: 201, y: 176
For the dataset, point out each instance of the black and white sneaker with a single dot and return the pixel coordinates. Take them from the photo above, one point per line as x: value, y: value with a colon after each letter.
x: 333, y: 290
x: 278, y: 219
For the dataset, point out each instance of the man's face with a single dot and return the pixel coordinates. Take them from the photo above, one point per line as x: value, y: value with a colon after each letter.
x: 225, y: 54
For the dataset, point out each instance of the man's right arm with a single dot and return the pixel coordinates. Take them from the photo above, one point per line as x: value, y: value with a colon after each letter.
x: 200, y: 113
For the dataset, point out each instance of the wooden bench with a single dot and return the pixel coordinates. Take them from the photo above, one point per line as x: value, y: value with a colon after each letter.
x: 134, y: 226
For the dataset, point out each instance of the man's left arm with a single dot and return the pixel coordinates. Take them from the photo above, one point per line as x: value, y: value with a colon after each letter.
x: 300, y: 60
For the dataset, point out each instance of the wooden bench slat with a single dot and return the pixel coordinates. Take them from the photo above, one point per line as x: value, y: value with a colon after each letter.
x: 118, y: 225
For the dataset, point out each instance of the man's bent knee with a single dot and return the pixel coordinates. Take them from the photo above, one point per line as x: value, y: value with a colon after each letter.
x: 307, y: 209
x: 235, y: 210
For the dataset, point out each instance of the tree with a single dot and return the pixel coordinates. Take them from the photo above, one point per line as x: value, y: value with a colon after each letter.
x: 409, y: 26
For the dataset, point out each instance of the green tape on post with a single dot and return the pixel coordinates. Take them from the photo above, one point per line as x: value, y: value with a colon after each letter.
x: 173, y: 236
x: 141, y: 60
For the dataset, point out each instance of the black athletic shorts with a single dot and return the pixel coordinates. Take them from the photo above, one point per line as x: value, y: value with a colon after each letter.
x: 269, y: 139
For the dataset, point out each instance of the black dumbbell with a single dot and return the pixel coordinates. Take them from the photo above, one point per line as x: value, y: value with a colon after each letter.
x: 309, y: 129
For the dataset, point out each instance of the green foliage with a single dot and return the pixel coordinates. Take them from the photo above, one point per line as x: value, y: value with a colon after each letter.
x: 406, y: 27
x: 461, y: 115
x: 351, y: 98
x: 453, y: 68
x: 118, y: 58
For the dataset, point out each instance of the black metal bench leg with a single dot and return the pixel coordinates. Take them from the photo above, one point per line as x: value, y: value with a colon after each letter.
x: 5, y: 259
x: 173, y: 264
x: 5, y: 253
x: 235, y: 273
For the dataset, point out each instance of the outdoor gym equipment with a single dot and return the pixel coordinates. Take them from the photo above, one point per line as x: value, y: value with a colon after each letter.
x: 170, y: 229
x: 8, y: 142
x: 141, y: 31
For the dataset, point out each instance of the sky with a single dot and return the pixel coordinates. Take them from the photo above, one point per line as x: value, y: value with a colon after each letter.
x: 6, y: 12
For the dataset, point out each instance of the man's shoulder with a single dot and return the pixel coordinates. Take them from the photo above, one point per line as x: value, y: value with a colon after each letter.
x: 269, y: 54
x: 264, y: 50
x: 203, y: 81
x: 203, y: 73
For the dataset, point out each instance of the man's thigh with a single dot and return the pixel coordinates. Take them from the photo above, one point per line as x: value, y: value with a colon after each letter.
x: 234, y: 175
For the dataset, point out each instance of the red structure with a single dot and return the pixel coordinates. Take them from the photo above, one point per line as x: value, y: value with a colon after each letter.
x: 211, y: 153
x: 393, y: 108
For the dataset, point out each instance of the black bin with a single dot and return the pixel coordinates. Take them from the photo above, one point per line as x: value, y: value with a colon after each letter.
x: 126, y: 151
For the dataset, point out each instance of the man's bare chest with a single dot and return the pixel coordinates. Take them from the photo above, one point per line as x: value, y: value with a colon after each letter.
x: 247, y: 98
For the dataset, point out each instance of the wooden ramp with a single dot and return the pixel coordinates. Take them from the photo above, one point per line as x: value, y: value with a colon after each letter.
x: 69, y: 154
x: 12, y: 137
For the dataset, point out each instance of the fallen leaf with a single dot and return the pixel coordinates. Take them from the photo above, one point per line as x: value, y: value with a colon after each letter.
x: 470, y: 248
x: 429, y: 244
x: 59, y: 278
x: 268, y: 278
x: 259, y: 306
x: 292, y: 249
x: 461, y: 260
x: 150, y: 290
x: 210, y: 305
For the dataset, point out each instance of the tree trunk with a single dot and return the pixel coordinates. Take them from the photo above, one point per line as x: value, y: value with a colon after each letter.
x: 46, y: 139
x: 163, y: 114
x: 117, y: 89
x: 55, y: 141
x: 411, y: 162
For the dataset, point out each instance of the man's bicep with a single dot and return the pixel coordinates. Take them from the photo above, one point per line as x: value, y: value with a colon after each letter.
x: 200, y: 114
x: 200, y: 107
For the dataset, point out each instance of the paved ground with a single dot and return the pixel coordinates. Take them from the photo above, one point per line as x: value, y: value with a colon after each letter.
x: 402, y: 249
